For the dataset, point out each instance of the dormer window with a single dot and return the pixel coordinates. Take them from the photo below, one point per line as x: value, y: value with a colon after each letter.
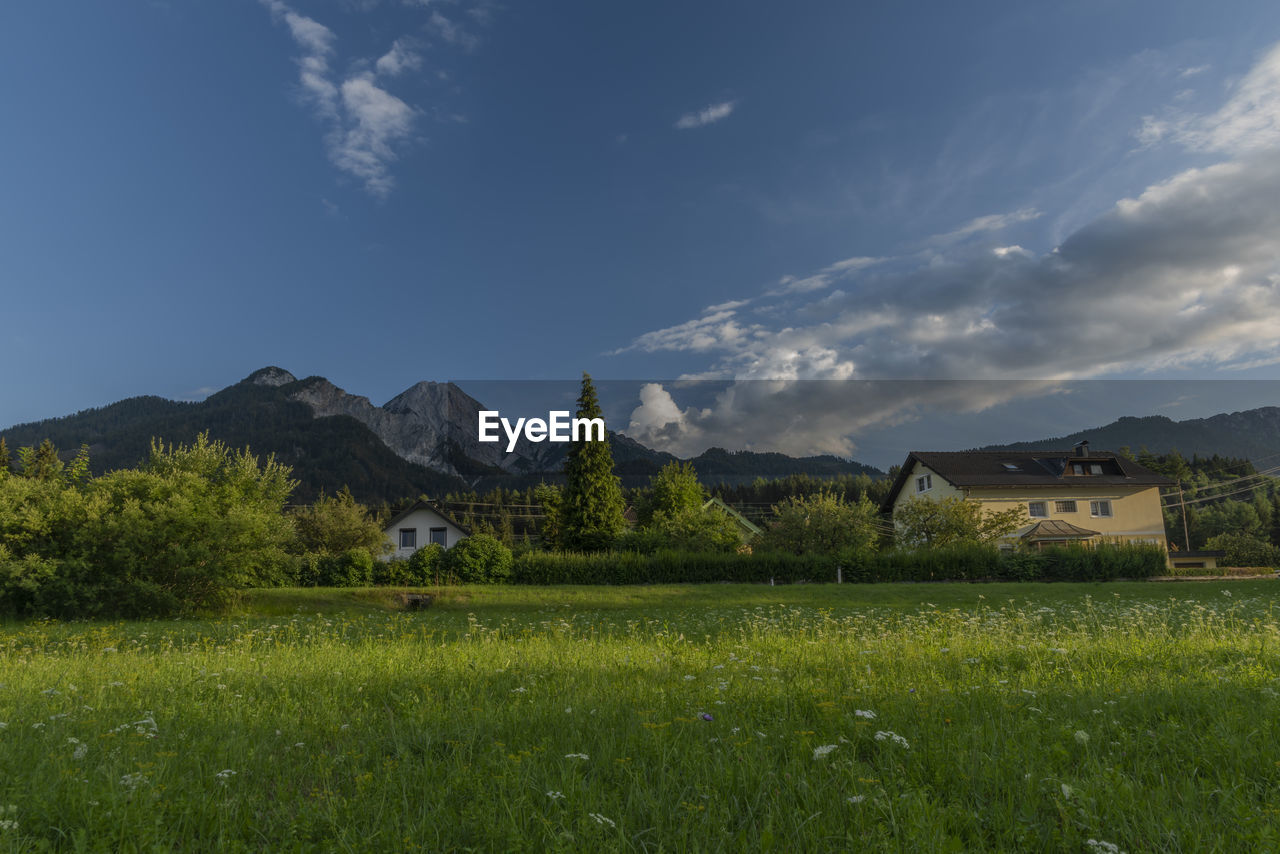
x: 1010, y: 466
x: 924, y: 483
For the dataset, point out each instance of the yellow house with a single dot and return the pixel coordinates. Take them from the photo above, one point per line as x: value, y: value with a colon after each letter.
x: 1069, y: 496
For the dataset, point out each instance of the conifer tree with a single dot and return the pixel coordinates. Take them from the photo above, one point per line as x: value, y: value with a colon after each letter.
x: 4, y: 456
x: 591, y: 505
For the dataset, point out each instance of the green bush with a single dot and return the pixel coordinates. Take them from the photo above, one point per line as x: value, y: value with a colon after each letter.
x: 670, y: 567
x: 1244, y: 550
x: 478, y: 559
x: 353, y: 568
x: 425, y: 564
x: 958, y: 562
x: 175, y: 535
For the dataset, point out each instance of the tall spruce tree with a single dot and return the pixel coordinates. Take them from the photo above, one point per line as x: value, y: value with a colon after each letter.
x: 591, y: 505
x: 4, y: 456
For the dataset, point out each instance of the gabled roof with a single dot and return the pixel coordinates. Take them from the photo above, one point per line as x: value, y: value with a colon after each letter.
x: 1026, y: 468
x: 423, y: 504
x: 1056, y: 529
x: 743, y: 522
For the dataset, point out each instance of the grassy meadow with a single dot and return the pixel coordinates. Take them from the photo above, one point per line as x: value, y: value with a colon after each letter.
x: 949, y: 717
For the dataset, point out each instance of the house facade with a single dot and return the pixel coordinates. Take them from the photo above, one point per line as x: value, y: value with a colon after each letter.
x: 1077, y: 496
x: 419, y: 525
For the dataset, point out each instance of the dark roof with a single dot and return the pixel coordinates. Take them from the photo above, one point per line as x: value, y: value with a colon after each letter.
x: 1056, y: 529
x: 423, y: 504
x: 1026, y: 468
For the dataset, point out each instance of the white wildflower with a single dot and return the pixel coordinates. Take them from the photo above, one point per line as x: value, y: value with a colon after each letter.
x: 133, y: 781
x: 225, y: 774
x: 519, y: 690
x: 822, y: 750
x: 887, y: 735
x: 1067, y: 791
x: 865, y: 713
x: 601, y: 820
x: 1103, y: 847
x: 576, y: 756
x: 856, y: 799
x: 1081, y: 737
x: 555, y: 796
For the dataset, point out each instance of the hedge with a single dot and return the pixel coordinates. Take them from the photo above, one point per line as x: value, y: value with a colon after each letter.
x: 970, y: 562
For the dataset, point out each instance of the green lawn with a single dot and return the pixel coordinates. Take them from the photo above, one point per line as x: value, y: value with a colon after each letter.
x: 934, y: 717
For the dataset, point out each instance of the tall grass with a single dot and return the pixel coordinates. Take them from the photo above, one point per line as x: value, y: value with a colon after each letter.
x: 758, y: 719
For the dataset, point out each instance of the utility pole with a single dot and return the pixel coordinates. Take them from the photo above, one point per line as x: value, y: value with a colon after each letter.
x: 1186, y: 536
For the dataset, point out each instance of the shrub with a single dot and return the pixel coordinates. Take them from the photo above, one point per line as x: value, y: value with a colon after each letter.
x: 822, y: 523
x: 670, y: 567
x: 1244, y: 550
x: 479, y: 559
x: 425, y: 564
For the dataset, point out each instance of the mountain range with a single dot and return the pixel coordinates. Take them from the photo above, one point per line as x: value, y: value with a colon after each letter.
x: 423, y: 440
x: 1252, y: 434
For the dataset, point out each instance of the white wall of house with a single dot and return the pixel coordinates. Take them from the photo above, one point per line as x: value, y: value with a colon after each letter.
x: 420, y: 527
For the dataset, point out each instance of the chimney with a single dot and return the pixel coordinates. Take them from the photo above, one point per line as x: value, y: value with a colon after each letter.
x: 1082, y: 448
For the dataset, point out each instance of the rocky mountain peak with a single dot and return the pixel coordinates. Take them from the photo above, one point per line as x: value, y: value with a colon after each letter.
x: 271, y: 376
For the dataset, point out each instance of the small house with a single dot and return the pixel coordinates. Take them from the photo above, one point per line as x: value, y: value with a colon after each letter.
x: 420, y: 524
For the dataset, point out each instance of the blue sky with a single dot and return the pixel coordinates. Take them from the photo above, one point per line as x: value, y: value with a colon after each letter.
x: 385, y: 192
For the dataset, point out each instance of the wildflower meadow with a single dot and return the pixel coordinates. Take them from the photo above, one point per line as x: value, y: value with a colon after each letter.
x: 1069, y: 717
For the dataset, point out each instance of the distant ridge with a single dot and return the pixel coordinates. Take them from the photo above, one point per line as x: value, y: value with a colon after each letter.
x: 1250, y: 434
x: 421, y: 441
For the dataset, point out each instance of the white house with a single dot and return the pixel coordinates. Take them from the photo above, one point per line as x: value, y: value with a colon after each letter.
x: 419, y: 524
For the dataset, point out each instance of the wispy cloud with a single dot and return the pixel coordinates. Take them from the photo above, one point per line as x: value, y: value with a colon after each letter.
x: 1185, y: 274
x: 367, y: 127
x: 399, y: 59
x: 452, y: 32
x: 706, y: 116
x: 366, y: 122
x: 1248, y: 122
x: 990, y: 222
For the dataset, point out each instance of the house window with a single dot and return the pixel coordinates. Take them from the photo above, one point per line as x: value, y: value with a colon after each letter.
x: 1039, y: 509
x: 1077, y: 468
x: 1095, y: 468
x: 441, y: 536
x: 1099, y: 508
x: 408, y: 538
x: 1064, y: 507
x: 924, y: 483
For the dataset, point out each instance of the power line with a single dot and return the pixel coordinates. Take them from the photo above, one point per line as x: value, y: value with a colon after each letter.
x: 1210, y: 498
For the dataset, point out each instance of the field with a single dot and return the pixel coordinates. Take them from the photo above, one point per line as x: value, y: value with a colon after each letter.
x: 1092, y: 718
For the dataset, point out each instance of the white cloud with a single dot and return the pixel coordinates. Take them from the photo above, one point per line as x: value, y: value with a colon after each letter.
x: 991, y: 222
x: 376, y: 120
x: 1185, y: 274
x: 399, y: 59
x: 451, y: 32
x: 365, y: 121
x: 706, y: 116
x: 1248, y: 122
